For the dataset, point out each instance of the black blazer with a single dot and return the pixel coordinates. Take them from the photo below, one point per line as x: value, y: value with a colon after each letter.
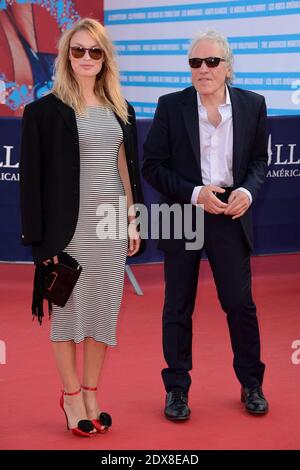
x: 172, y: 161
x: 49, y: 174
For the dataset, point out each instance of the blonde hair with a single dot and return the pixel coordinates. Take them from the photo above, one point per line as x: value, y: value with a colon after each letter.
x: 107, y: 84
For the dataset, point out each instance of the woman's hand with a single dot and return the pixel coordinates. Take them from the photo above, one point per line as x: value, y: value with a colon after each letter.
x: 134, y: 239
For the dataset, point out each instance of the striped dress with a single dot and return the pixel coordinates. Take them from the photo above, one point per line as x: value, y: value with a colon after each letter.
x: 92, y: 310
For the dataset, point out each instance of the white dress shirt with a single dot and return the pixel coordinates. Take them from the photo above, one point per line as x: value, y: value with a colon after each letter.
x: 216, y: 149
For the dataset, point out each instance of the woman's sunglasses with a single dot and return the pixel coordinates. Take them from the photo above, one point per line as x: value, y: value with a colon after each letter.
x: 210, y: 62
x: 78, y: 52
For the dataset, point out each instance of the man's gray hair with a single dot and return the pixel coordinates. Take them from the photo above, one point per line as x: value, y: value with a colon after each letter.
x: 215, y: 36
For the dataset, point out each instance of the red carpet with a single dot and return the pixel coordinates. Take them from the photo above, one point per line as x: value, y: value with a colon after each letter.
x: 131, y: 387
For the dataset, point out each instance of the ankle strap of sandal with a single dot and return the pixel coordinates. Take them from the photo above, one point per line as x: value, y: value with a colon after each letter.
x: 91, y: 389
x: 71, y: 393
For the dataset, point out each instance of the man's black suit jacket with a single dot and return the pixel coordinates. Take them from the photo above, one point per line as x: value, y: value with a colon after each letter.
x: 172, y: 161
x: 50, y: 174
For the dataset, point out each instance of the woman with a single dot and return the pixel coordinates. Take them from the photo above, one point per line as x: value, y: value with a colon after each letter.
x: 78, y: 156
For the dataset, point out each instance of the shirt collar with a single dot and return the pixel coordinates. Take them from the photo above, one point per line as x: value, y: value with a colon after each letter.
x: 227, y: 99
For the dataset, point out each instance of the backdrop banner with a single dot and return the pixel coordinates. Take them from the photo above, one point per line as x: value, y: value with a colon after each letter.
x: 152, y: 39
x: 276, y: 211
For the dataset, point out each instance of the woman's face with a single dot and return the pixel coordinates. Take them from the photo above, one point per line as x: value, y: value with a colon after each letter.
x: 82, y: 63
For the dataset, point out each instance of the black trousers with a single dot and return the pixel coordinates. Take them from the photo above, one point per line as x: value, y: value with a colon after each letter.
x: 229, y: 258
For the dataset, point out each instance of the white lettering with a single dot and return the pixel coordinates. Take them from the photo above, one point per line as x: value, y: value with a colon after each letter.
x: 295, y: 358
x: 2, y: 352
x: 270, y: 149
x: 8, y: 157
x: 9, y: 177
x: 278, y: 155
x: 291, y: 161
x: 111, y: 460
x: 295, y: 97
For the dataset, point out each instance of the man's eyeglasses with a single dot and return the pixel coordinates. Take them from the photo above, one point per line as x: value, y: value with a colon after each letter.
x: 78, y: 52
x: 210, y: 62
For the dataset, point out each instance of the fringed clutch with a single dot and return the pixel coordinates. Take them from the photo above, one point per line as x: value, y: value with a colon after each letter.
x: 54, y: 282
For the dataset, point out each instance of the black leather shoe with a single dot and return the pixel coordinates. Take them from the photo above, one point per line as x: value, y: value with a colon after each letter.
x: 255, y: 401
x: 176, y: 408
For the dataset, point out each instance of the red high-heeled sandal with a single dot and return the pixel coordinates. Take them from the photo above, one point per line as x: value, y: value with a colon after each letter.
x: 104, y: 420
x: 84, y: 426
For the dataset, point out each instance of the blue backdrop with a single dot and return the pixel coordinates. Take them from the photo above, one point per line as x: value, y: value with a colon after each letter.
x: 276, y: 211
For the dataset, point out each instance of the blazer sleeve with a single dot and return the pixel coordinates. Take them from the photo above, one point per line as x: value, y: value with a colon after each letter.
x: 30, y: 179
x: 133, y: 160
x: 257, y: 166
x: 157, y: 154
x: 131, y: 150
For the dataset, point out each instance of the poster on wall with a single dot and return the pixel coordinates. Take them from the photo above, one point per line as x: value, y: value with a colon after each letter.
x: 29, y: 31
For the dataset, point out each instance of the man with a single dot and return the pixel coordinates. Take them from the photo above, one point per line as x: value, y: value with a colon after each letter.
x: 208, y: 146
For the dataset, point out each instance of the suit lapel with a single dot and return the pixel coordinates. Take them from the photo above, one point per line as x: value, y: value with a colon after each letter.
x: 239, y: 124
x: 191, y: 120
x: 68, y: 115
x: 124, y: 126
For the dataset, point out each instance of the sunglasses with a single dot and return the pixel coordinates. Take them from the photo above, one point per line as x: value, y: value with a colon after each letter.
x: 78, y: 52
x: 210, y: 62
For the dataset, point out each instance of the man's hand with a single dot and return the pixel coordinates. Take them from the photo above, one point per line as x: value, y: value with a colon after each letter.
x: 238, y: 203
x: 211, y: 203
x: 55, y: 260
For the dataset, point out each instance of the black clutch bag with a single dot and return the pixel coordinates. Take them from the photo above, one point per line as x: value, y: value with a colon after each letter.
x: 60, y: 279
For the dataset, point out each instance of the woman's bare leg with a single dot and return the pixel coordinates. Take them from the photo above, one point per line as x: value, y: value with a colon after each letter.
x: 94, y: 354
x: 65, y: 357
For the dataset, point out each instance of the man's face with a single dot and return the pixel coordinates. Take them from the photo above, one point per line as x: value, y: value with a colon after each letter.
x: 209, y: 81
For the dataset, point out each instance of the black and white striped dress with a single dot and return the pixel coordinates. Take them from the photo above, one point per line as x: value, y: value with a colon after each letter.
x: 92, y: 310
